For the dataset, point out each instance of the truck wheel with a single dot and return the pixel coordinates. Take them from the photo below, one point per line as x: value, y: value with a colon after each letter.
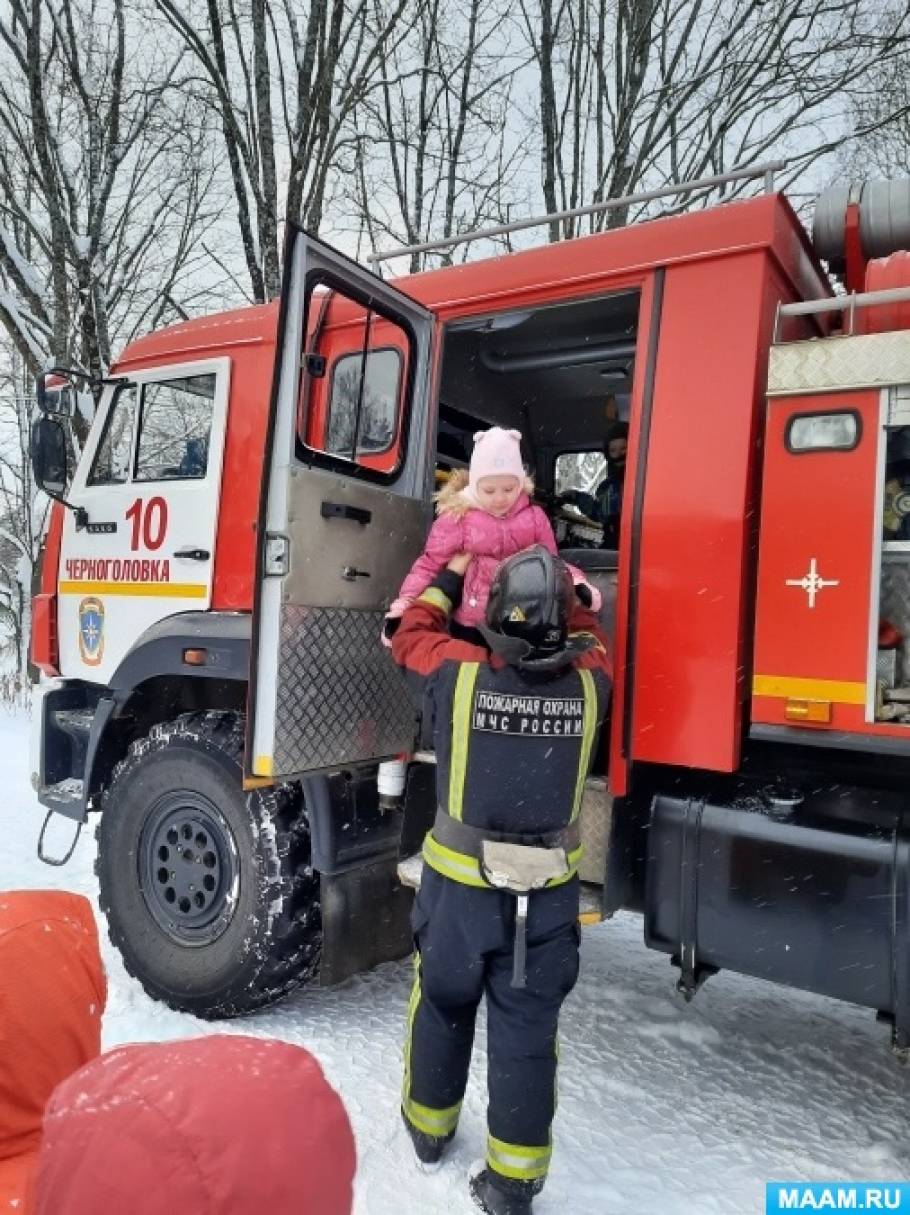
x: 208, y: 890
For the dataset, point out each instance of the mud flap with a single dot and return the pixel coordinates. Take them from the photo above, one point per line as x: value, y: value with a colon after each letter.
x: 365, y: 920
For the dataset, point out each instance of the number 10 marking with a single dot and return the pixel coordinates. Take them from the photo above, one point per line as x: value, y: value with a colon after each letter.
x: 150, y: 523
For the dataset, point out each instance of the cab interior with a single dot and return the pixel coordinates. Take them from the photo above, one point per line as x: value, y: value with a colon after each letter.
x: 559, y: 374
x: 546, y: 372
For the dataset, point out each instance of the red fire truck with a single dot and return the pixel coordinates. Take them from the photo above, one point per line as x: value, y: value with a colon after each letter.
x: 256, y: 484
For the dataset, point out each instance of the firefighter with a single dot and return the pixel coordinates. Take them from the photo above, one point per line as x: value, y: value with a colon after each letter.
x: 497, y: 912
x: 605, y: 504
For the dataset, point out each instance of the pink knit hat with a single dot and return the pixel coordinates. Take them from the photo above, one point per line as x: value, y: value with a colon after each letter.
x: 497, y: 453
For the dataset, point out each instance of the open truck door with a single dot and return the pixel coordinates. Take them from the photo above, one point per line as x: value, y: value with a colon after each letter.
x: 345, y: 510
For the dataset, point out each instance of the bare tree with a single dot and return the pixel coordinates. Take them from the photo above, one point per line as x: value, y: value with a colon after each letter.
x: 638, y: 93
x: 23, y: 512
x: 104, y: 175
x: 879, y: 143
x: 432, y: 153
x: 285, y: 91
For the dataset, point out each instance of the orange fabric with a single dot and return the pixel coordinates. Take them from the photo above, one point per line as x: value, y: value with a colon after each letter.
x: 222, y: 1125
x: 52, y: 995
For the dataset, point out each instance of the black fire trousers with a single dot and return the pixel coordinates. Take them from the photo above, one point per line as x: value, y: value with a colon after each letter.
x: 464, y: 938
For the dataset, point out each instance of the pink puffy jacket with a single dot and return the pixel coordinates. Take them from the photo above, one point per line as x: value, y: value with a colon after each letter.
x: 462, y: 528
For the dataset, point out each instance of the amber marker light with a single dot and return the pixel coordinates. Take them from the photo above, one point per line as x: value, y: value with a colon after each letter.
x: 808, y: 710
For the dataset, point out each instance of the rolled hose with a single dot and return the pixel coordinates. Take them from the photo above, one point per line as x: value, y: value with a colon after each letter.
x: 884, y: 220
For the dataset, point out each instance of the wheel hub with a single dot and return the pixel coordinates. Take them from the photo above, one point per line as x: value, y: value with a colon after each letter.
x: 188, y: 871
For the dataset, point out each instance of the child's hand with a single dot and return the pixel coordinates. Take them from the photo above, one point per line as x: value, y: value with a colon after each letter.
x: 393, y: 620
x: 460, y: 563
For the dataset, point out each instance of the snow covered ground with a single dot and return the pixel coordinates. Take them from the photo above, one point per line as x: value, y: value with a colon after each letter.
x: 663, y: 1107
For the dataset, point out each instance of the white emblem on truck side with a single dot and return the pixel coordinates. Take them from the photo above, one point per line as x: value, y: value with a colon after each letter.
x: 812, y: 582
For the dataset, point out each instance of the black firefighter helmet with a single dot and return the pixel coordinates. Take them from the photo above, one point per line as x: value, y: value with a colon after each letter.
x: 528, y: 612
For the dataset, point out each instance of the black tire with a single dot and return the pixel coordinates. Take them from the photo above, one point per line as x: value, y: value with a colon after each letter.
x: 209, y: 892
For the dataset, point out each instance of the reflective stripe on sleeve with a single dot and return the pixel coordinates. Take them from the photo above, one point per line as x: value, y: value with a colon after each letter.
x: 598, y: 645
x: 461, y: 733
x: 516, y: 1161
x: 437, y: 598
x: 587, y: 739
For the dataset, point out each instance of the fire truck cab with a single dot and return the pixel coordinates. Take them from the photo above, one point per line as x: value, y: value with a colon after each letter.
x: 256, y: 485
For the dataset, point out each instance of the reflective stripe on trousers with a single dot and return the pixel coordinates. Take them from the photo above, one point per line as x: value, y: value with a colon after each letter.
x: 424, y: 1117
x: 516, y: 1161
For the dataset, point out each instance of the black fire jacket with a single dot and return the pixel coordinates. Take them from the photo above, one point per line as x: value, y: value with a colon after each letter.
x: 513, y: 749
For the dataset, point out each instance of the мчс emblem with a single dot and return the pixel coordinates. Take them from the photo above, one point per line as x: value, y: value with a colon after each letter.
x: 91, y: 631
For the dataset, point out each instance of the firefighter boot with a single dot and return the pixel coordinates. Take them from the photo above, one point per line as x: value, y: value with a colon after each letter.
x: 501, y: 1195
x: 429, y: 1148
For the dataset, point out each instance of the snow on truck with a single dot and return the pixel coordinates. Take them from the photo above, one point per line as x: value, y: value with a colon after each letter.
x: 256, y: 484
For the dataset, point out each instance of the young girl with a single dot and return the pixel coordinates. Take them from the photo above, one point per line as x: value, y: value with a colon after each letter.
x: 486, y: 512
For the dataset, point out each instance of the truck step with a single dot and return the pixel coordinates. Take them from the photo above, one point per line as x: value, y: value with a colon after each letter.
x: 75, y: 721
x: 65, y: 791
x: 590, y: 909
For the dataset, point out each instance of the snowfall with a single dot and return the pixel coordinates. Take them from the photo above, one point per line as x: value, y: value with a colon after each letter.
x: 663, y: 1107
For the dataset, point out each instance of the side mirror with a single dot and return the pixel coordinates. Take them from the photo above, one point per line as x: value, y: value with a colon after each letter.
x: 48, y: 449
x: 57, y: 390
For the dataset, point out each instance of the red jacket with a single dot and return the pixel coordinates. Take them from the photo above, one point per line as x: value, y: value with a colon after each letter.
x: 221, y: 1125
x: 52, y: 995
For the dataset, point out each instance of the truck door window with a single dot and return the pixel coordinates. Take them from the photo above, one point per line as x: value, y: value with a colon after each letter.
x: 373, y: 380
x: 111, y: 465
x: 174, y: 428
x: 354, y: 386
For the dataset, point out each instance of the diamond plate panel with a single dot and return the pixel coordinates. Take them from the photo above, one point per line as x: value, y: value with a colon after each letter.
x: 894, y: 605
x: 596, y: 812
x: 341, y: 699
x: 863, y: 361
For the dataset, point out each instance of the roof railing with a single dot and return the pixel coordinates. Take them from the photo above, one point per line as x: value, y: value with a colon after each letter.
x: 766, y: 170
x: 842, y: 303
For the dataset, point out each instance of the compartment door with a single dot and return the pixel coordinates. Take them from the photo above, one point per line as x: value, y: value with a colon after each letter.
x: 820, y: 527
x: 345, y: 512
